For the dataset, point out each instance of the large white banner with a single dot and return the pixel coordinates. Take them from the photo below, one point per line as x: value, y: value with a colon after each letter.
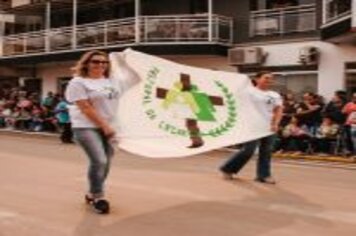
x: 178, y: 110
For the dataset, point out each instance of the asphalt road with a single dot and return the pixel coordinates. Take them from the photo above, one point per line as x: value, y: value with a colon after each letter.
x: 42, y: 183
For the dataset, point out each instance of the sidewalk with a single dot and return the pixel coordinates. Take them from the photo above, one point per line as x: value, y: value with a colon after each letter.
x: 284, y: 156
x: 337, y: 159
x: 32, y: 134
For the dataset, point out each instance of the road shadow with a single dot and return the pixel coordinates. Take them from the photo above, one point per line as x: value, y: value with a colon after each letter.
x: 272, y: 208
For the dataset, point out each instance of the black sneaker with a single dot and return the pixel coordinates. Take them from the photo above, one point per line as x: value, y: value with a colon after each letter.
x: 101, y: 206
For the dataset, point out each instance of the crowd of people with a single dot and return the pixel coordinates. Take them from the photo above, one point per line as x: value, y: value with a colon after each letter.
x: 315, y: 127
x: 26, y: 111
x: 309, y: 125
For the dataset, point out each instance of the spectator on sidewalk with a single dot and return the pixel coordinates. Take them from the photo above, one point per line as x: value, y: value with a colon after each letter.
x: 325, y: 135
x: 62, y: 115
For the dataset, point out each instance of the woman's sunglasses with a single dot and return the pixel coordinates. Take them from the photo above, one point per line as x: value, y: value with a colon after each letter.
x: 97, y: 62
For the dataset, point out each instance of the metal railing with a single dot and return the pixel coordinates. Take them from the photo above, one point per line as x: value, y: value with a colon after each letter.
x: 172, y: 29
x: 282, y: 21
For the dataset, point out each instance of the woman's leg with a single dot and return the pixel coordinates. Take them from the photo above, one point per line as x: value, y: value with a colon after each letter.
x: 93, y: 143
x: 239, y: 159
x: 264, y: 158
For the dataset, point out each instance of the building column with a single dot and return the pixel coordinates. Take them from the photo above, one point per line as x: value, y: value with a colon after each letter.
x: 324, y: 12
x: 137, y: 20
x: 210, y: 20
x: 48, y: 26
x: 2, y: 34
x: 353, y: 12
x: 74, y: 24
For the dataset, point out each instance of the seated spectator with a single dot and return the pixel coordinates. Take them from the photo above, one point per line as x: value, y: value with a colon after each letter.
x: 64, y: 123
x: 24, y: 118
x: 294, y: 137
x: 289, y: 108
x: 325, y: 135
x: 50, y: 123
x: 309, y: 112
x: 2, y: 117
x: 13, y: 115
x: 49, y: 101
x: 334, y: 108
x: 37, y: 120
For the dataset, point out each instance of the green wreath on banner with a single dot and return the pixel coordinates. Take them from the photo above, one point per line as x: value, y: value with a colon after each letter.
x: 232, y: 115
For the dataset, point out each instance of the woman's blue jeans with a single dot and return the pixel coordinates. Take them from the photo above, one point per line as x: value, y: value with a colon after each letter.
x: 239, y: 159
x: 99, y: 152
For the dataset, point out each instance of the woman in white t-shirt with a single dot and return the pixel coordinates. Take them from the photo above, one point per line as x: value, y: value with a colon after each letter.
x: 93, y: 94
x: 269, y: 103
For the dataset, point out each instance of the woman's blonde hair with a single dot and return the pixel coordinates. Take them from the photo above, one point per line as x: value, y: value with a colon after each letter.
x: 81, y: 67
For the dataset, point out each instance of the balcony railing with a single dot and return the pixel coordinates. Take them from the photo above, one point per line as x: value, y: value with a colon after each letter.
x: 282, y: 21
x: 171, y: 29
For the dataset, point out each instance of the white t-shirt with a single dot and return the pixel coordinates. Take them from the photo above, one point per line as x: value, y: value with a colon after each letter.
x: 265, y: 101
x: 103, y: 93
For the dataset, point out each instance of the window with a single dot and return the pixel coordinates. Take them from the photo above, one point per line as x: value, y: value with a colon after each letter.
x: 350, y: 82
x: 337, y: 8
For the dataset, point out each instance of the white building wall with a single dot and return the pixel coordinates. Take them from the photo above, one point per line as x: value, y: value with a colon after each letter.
x: 49, y: 73
x: 205, y: 61
x: 331, y: 72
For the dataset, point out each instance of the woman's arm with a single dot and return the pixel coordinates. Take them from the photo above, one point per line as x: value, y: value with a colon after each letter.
x: 122, y: 72
x: 87, y: 109
x: 276, y: 119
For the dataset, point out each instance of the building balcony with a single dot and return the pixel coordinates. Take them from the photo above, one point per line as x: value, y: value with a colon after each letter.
x: 338, y: 21
x: 148, y: 30
x: 283, y: 21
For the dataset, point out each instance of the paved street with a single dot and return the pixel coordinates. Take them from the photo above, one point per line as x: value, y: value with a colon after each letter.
x: 42, y: 184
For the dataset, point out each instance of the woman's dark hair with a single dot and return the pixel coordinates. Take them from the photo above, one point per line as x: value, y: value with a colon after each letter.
x: 262, y: 73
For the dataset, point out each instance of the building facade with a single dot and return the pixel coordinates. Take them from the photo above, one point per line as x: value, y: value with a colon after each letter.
x: 306, y: 43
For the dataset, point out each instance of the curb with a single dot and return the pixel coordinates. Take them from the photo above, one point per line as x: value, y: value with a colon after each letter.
x: 55, y: 136
x: 334, y: 159
x: 18, y: 133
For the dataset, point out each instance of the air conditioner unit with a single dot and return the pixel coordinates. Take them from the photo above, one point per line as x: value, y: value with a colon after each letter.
x: 246, y: 56
x: 309, y: 55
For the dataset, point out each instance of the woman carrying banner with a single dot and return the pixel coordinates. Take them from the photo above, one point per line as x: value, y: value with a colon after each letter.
x: 94, y: 93
x: 269, y: 103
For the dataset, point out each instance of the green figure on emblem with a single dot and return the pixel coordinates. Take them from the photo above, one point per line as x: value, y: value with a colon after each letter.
x: 188, y: 103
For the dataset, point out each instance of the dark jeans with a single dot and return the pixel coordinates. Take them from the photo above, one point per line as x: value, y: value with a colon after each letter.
x: 239, y: 159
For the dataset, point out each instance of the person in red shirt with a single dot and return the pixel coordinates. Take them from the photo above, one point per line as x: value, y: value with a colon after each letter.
x: 350, y: 124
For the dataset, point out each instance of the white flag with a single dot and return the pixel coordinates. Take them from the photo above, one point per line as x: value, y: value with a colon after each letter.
x: 177, y: 110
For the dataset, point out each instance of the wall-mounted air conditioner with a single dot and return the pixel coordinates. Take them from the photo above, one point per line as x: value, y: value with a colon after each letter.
x: 246, y: 56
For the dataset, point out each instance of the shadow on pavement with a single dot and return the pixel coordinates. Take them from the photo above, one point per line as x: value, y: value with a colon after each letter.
x: 272, y: 208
